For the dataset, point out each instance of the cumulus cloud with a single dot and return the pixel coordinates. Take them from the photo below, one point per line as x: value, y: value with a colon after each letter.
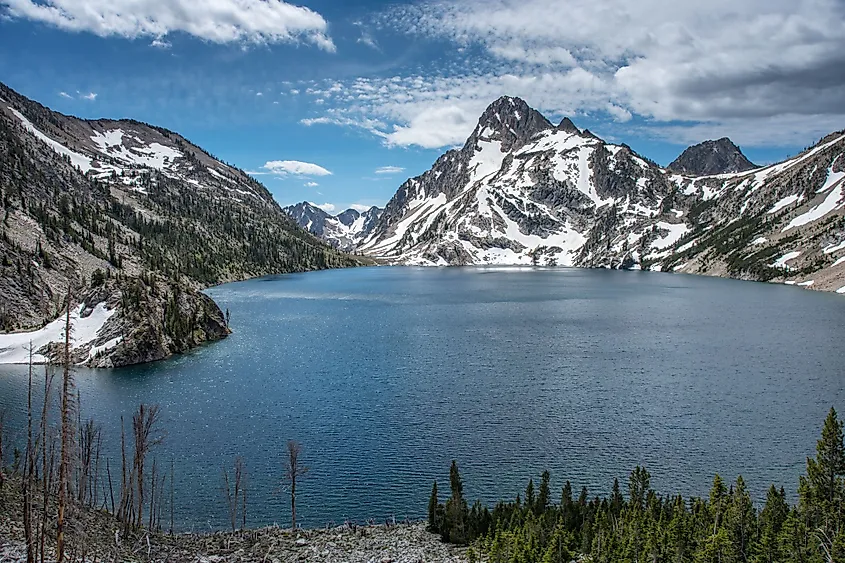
x: 160, y: 43
x: 65, y: 95
x: 327, y: 207
x: 389, y: 170
x: 295, y: 167
x: 683, y: 65
x: 311, y: 184
x: 90, y: 96
x: 218, y: 21
x: 360, y: 207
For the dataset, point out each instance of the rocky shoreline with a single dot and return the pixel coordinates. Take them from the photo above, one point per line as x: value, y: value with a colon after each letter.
x: 400, y: 543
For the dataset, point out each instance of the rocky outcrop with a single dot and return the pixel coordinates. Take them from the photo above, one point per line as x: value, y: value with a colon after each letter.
x: 710, y: 158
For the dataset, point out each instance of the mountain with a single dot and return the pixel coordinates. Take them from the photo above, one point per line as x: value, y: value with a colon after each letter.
x: 710, y: 158
x: 522, y: 191
x: 130, y: 220
x: 343, y: 231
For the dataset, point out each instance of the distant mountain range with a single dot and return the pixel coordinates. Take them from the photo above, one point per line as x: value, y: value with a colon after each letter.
x: 344, y: 231
x: 131, y: 220
x: 524, y: 191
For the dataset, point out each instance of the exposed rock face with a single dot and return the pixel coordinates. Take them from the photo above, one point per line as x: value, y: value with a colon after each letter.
x: 522, y: 191
x: 710, y: 158
x: 343, y: 231
x: 101, y: 208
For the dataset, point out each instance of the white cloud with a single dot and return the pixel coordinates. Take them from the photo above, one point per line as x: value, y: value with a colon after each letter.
x: 91, y: 96
x: 218, y: 21
x: 259, y: 93
x: 160, y: 43
x: 327, y: 207
x: 700, y: 66
x: 311, y: 184
x: 65, y: 95
x: 534, y: 55
x: 389, y: 170
x: 360, y: 207
x: 295, y: 167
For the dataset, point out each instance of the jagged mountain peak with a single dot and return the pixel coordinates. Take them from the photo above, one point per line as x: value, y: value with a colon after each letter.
x: 567, y: 126
x: 721, y: 156
x: 344, y: 230
x: 509, y: 120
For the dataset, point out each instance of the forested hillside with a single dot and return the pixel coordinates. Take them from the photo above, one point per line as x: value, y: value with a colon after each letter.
x: 133, y: 217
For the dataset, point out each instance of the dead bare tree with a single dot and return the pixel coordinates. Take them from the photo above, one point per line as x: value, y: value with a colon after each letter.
x: 28, y: 471
x: 64, y: 463
x: 144, y: 425
x: 2, y: 474
x: 234, y: 489
x: 293, y: 471
x: 48, y: 384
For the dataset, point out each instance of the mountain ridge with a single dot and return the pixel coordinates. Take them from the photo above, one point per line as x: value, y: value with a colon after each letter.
x: 528, y: 192
x: 343, y: 231
x: 122, y: 223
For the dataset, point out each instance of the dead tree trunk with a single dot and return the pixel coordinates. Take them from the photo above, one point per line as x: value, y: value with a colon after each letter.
x: 28, y: 470
x: 64, y: 462
x: 143, y: 425
x: 293, y: 470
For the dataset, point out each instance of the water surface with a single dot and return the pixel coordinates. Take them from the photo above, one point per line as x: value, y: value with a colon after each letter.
x: 386, y: 374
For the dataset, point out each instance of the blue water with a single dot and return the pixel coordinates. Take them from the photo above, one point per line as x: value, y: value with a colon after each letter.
x: 386, y: 374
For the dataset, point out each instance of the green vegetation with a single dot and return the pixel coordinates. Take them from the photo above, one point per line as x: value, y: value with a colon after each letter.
x: 647, y: 527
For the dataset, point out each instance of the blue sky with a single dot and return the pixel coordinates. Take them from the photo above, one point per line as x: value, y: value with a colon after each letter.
x: 368, y: 93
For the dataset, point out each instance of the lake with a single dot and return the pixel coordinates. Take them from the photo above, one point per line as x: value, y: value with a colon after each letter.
x: 386, y: 374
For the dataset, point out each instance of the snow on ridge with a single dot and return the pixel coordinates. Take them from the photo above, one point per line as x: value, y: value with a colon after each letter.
x: 830, y: 203
x: 676, y: 232
x: 80, y: 161
x: 834, y: 248
x: 14, y: 347
x: 785, y: 202
x: 832, y: 179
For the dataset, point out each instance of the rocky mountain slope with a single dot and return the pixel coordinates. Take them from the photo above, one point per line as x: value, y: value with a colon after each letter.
x: 343, y: 231
x: 131, y: 220
x: 523, y: 191
x: 711, y: 157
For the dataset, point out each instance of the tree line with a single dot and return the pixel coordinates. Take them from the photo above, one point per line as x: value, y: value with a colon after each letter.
x: 648, y: 527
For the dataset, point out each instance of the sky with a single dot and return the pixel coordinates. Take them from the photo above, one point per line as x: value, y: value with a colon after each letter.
x: 338, y: 102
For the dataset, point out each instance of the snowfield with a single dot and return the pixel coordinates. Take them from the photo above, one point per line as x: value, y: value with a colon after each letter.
x: 14, y: 348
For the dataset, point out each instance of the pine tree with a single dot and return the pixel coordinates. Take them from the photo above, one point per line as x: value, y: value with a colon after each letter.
x: 772, y: 518
x: 543, y: 494
x: 822, y: 491
x: 432, y: 510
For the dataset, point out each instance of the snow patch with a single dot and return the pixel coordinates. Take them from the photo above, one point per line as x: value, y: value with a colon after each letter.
x: 781, y: 262
x: 14, y: 348
x: 788, y: 200
x: 80, y: 161
x: 830, y: 203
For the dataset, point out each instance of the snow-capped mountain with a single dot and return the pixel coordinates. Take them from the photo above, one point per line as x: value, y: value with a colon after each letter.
x: 344, y: 231
x: 523, y: 191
